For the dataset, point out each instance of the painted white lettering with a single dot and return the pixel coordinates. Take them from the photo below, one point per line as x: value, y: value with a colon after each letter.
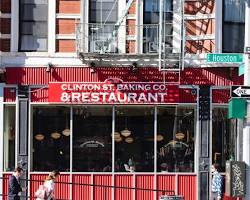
x: 152, y: 97
x: 85, y: 97
x: 64, y: 86
x: 75, y: 96
x: 65, y: 97
x: 119, y: 87
x: 147, y: 87
x: 112, y: 97
x: 95, y: 97
x: 122, y: 97
x: 104, y: 96
x: 142, y: 98
x: 162, y: 95
x: 132, y: 96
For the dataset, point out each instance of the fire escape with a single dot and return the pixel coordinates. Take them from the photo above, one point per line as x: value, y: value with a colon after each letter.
x: 125, y: 42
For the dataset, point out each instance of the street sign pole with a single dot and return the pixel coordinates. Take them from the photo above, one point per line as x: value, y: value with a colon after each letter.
x: 246, y: 126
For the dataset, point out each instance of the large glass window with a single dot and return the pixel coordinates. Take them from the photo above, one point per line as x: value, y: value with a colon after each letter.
x: 33, y: 25
x: 151, y: 24
x: 134, y: 135
x: 224, y: 138
x: 9, y: 137
x: 134, y: 139
x: 92, y: 141
x: 175, y: 139
x: 51, y: 138
x: 103, y: 15
x: 234, y: 26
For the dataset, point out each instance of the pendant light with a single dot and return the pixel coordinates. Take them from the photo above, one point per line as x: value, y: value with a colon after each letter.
x: 126, y: 132
x: 39, y: 137
x: 66, y: 131
x: 118, y: 139
x: 129, y: 140
x: 56, y: 135
x: 159, y: 138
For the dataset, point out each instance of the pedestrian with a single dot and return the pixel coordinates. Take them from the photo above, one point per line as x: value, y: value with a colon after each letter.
x: 216, y: 193
x: 14, y: 184
x: 46, y: 191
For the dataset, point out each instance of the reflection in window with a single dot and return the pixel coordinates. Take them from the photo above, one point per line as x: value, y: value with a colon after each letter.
x: 151, y: 21
x: 9, y: 137
x: 134, y: 139
x: 224, y: 139
x: 51, y: 138
x: 33, y: 25
x: 175, y: 139
x: 102, y: 17
x: 233, y: 26
x: 92, y: 141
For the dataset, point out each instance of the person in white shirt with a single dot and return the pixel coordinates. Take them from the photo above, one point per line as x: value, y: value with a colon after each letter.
x: 50, y: 184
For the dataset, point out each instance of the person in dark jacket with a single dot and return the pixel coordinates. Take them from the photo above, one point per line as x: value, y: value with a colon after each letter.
x: 14, y: 184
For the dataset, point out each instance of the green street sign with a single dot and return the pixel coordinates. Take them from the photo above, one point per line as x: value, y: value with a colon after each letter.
x: 241, y: 69
x: 224, y: 58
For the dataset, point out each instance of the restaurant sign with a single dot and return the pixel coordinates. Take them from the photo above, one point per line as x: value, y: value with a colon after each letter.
x: 113, y: 91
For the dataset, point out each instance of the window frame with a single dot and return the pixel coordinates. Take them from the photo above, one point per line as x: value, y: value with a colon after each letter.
x: 20, y: 28
x: 223, y: 29
x: 155, y: 107
x: 5, y: 105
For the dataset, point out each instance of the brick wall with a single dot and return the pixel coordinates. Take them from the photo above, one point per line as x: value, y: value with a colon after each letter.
x: 65, y: 26
x: 65, y: 45
x: 5, y: 6
x: 4, y: 45
x: 5, y: 26
x: 68, y: 6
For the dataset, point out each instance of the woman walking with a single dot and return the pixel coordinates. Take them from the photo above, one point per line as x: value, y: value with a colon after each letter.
x: 46, y: 191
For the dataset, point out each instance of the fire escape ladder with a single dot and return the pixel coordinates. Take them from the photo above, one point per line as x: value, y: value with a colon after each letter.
x: 117, y: 26
x: 171, y: 54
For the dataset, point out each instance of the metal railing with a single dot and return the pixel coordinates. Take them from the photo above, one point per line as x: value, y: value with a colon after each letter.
x: 113, y: 39
x: 94, y: 186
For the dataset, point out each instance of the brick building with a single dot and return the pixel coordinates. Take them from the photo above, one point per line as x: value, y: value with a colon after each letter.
x: 86, y: 89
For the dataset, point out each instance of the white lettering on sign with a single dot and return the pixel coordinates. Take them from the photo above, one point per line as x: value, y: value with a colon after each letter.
x: 112, y: 97
x: 110, y: 92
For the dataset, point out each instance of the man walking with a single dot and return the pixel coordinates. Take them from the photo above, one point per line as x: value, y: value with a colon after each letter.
x: 14, y: 184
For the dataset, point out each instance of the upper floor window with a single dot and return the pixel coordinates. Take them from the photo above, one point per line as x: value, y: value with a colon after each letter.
x: 33, y: 25
x: 102, y: 17
x: 234, y: 26
x: 151, y: 19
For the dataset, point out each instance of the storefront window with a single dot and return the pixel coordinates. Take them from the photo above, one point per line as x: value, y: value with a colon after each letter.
x: 224, y: 139
x: 51, y: 138
x: 175, y: 139
x: 134, y: 139
x: 9, y: 137
x: 92, y: 141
